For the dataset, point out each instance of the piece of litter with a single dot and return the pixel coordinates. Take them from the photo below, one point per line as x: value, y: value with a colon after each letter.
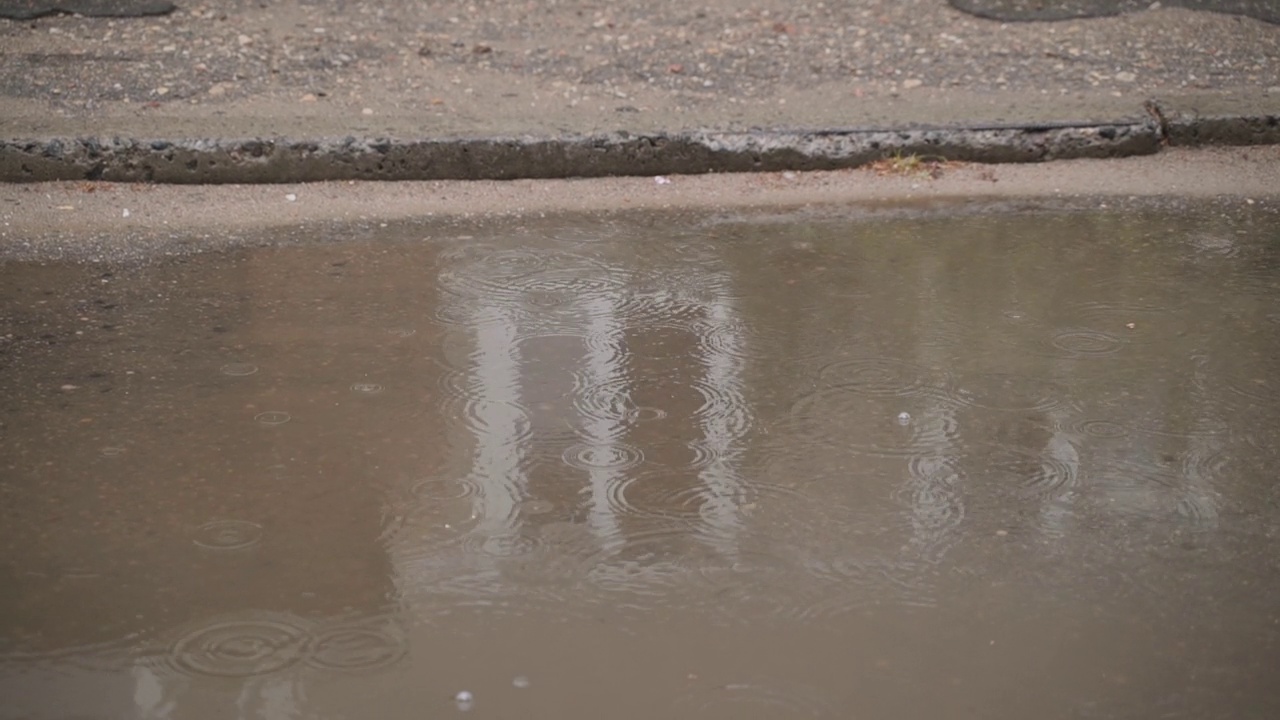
x: 291, y: 197
x: 661, y: 180
x: 125, y: 213
x: 1130, y: 325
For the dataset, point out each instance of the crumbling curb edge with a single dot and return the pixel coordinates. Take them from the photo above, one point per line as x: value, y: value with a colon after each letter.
x: 280, y: 160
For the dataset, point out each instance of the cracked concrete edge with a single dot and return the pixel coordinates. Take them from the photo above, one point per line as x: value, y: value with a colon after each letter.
x: 260, y: 160
x: 281, y: 160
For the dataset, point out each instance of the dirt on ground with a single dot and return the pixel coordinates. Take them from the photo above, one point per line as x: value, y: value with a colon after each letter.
x: 105, y: 220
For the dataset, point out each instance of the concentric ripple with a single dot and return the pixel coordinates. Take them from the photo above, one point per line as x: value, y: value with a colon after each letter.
x: 524, y: 278
x: 686, y: 497
x: 1073, y: 343
x: 228, y: 535
x: 1102, y: 429
x: 644, y: 413
x: 642, y: 562
x: 360, y: 646
x: 495, y: 417
x: 1009, y: 391
x: 880, y: 376
x: 1086, y: 342
x: 564, y: 556
x: 1138, y: 487
x: 1199, y: 509
x: 615, y: 456
x: 849, y: 421
x: 502, y: 545
x: 607, y: 400
x: 238, y: 369
x: 1134, y: 295
x: 859, y: 581
x: 723, y: 408
x: 1024, y: 471
x: 736, y: 700
x: 933, y: 506
x: 241, y: 647
x: 444, y: 487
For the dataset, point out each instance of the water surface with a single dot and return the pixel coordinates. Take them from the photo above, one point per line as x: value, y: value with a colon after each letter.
x: 998, y: 465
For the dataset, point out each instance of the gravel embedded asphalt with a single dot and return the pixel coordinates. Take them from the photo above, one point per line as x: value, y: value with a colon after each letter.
x: 325, y: 89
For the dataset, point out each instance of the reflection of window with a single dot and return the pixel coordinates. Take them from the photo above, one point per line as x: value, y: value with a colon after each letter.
x: 585, y: 346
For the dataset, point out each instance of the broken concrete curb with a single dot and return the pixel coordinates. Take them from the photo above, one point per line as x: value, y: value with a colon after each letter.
x: 260, y: 160
x: 281, y: 160
x: 1197, y: 124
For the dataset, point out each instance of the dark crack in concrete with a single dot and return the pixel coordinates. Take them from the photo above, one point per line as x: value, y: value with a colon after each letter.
x: 1036, y: 10
x: 31, y: 9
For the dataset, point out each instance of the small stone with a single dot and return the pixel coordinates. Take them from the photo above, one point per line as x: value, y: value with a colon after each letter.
x: 162, y: 91
x: 367, y: 111
x: 1125, y: 77
x: 904, y: 418
x: 244, y: 40
x: 912, y: 83
x: 68, y: 388
x: 309, y: 97
x: 125, y: 213
x: 291, y: 197
x: 1002, y: 533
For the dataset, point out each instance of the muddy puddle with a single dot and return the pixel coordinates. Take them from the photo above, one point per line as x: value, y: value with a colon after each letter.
x: 985, y: 466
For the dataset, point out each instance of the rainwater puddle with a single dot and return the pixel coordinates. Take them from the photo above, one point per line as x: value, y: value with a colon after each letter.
x: 995, y: 466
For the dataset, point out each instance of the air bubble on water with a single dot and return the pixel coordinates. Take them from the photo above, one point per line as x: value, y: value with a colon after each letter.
x: 520, y: 681
x: 904, y: 418
x: 463, y: 700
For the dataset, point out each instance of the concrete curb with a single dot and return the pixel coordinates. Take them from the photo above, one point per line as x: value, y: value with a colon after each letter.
x: 285, y: 160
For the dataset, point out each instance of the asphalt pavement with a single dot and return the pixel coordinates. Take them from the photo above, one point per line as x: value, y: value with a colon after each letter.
x: 302, y: 90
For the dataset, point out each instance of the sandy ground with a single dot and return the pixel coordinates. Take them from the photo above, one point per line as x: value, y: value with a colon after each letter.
x: 104, y: 220
x: 480, y: 67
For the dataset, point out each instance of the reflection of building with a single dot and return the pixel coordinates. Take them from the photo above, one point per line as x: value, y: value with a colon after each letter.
x: 600, y: 399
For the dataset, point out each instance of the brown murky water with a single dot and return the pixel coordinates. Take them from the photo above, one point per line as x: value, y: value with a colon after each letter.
x: 986, y: 466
